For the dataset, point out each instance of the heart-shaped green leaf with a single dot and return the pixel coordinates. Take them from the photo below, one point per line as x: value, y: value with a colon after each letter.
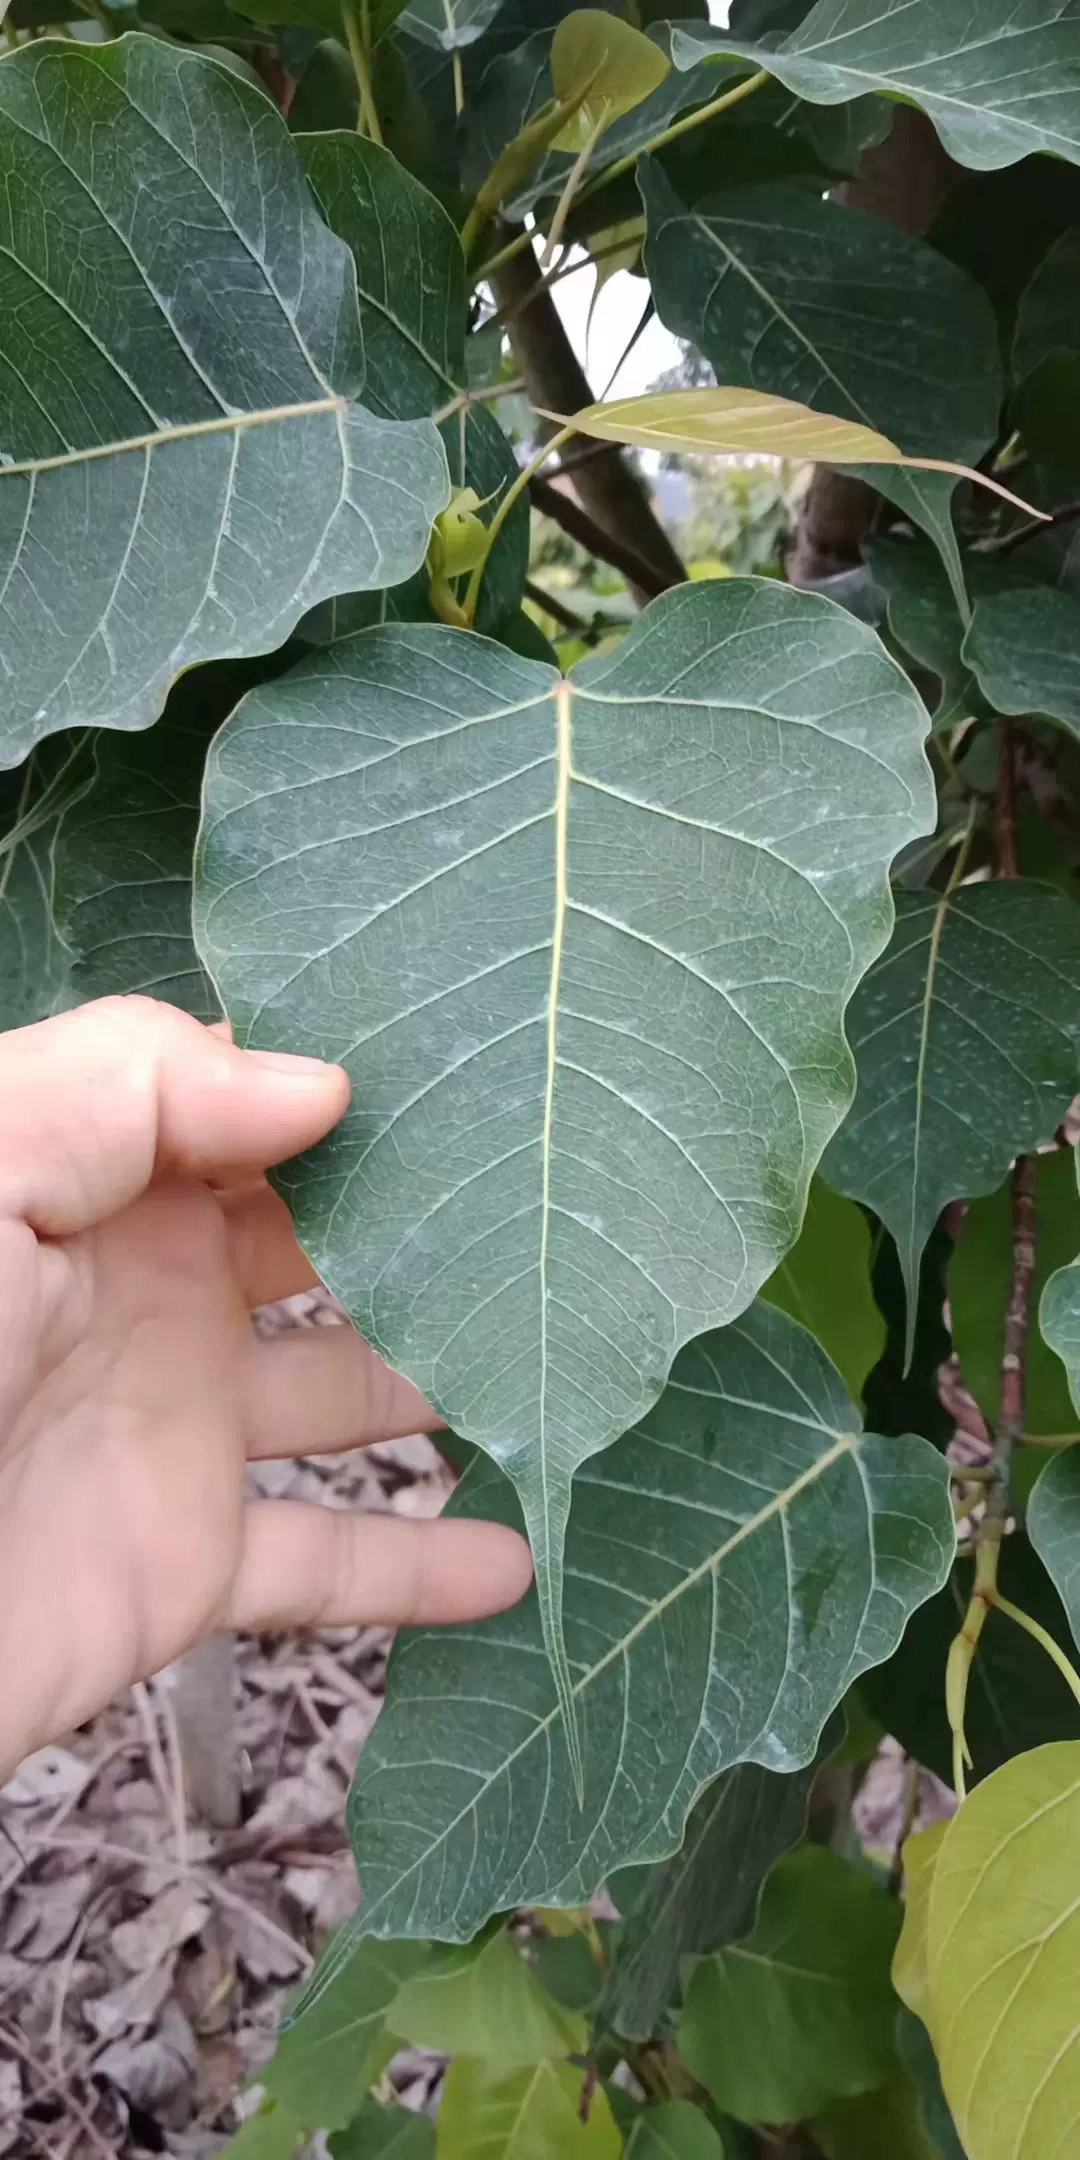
x: 965, y: 1036
x: 609, y: 61
x: 184, y: 473
x: 585, y: 1106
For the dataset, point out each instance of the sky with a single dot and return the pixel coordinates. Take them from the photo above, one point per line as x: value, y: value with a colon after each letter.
x: 617, y: 312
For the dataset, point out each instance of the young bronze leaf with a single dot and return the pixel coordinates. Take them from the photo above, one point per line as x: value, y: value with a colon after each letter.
x: 965, y: 1036
x: 587, y: 1101
x: 183, y: 473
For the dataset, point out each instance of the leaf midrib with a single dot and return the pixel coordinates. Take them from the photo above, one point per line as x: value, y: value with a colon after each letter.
x: 227, y: 424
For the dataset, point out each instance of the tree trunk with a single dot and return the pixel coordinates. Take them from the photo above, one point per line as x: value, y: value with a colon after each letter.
x: 605, y: 485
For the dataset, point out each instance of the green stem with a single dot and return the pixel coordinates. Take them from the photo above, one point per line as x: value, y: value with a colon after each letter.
x: 678, y: 127
x: 570, y: 187
x: 1046, y: 1642
x: 626, y: 164
x: 458, y: 73
x: 465, y: 398
x: 502, y: 513
x: 355, y: 19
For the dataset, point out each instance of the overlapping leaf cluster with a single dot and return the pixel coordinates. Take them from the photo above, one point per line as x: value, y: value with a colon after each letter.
x: 700, y: 981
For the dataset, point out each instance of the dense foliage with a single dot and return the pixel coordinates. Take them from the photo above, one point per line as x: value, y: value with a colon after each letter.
x: 705, y: 954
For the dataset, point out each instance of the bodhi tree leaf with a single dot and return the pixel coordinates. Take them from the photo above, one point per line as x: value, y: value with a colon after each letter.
x: 803, y: 2011
x: 486, y: 2002
x: 384, y: 2133
x: 1003, y: 1946
x: 910, y: 1970
x: 965, y: 1036
x: 122, y: 853
x: 186, y: 475
x: 744, y: 1535
x: 704, y: 1895
x: 889, y: 2123
x: 675, y: 2130
x: 1022, y: 647
x: 791, y: 294
x: 1048, y: 320
x: 1059, y: 1319
x: 1016, y: 1697
x: 587, y: 1103
x: 1053, y: 1525
x: 737, y: 421
x: 979, y: 1275
x: 528, y: 2115
x: 35, y: 960
x: 411, y: 280
x: 326, y: 2061
x: 996, y: 84
x: 824, y: 1281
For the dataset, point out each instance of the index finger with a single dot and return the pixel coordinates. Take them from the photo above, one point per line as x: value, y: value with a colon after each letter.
x: 96, y: 1103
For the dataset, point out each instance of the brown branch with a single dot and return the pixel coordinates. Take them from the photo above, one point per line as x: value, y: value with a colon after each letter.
x: 1066, y: 514
x: 1018, y: 1309
x: 555, y: 608
x: 567, y: 512
x: 1005, y: 837
x: 610, y: 491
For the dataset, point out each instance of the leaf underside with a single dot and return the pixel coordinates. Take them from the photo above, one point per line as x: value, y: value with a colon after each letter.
x: 186, y: 474
x: 584, y: 947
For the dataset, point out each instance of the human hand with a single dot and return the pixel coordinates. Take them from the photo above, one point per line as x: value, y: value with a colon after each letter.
x: 136, y: 1234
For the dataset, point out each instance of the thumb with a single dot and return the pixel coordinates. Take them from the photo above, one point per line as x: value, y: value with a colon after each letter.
x: 96, y: 1103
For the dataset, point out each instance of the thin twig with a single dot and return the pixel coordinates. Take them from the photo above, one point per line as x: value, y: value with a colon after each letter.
x: 568, y: 513
x: 541, y: 598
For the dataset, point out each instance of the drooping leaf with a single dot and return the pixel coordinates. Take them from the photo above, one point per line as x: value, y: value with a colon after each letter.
x: 901, y: 1393
x: 1016, y: 1698
x: 411, y: 281
x: 737, y: 421
x: 1003, y: 1946
x: 184, y: 472
x: 384, y: 2133
x: 979, y: 1276
x: 796, y: 296
x: 1022, y: 648
x: 889, y: 2123
x: 1053, y: 1525
x: 586, y: 1107
x: 270, y: 2134
x: 35, y: 962
x: 802, y: 2012
x: 526, y: 2115
x: 704, y: 1895
x: 995, y: 86
x: 965, y: 1037
x: 742, y: 1536
x: 917, y: 2055
x: 326, y: 2062
x: 824, y: 1281
x: 486, y: 2002
x: 1059, y: 1320
x: 122, y: 854
x: 1048, y: 320
x: 674, y: 2130
x: 616, y: 66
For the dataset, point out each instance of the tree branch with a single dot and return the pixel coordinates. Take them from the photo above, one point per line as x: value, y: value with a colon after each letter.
x: 610, y: 492
x: 645, y: 581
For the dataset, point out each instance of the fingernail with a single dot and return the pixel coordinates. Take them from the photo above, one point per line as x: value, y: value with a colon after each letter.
x: 289, y: 1067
